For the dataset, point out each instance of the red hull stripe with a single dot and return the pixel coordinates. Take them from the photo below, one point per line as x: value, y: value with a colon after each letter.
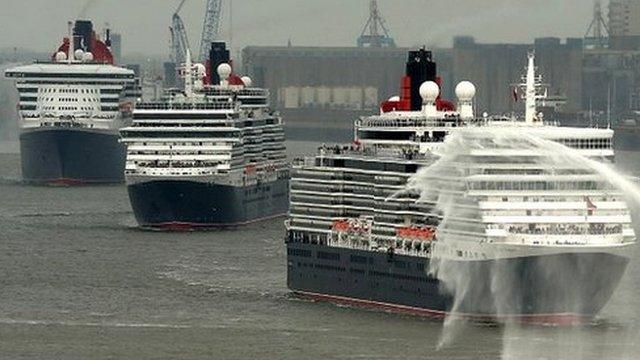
x: 560, y: 319
x: 66, y: 182
x: 184, y: 226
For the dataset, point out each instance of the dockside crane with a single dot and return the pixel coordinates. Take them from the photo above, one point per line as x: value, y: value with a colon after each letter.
x: 179, y: 39
x: 210, y: 27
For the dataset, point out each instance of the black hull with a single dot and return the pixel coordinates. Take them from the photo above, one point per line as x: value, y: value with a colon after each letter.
x: 551, y: 288
x: 176, y: 204
x: 71, y: 156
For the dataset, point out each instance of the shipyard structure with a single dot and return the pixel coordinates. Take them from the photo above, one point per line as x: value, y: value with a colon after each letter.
x: 593, y: 79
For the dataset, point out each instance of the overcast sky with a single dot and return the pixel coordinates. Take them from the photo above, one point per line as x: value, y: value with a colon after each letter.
x: 40, y: 24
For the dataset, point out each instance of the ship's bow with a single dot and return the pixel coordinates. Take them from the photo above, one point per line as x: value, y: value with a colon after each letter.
x: 55, y: 155
x: 541, y: 288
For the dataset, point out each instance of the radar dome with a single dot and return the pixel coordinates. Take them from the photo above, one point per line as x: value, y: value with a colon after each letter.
x: 87, y: 56
x: 61, y: 56
x: 201, y: 70
x: 224, y: 71
x: 465, y: 91
x: 247, y: 81
x: 394, y: 98
x: 78, y: 54
x: 429, y: 91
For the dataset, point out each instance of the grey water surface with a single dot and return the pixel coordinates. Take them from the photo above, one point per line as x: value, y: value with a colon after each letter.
x: 79, y: 280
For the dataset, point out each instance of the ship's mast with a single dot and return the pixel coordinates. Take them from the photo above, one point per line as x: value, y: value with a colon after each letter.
x: 188, y: 77
x: 70, y: 56
x: 534, y: 90
x: 530, y: 91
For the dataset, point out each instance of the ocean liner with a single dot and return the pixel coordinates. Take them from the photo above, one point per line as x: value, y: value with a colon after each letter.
x: 70, y: 111
x: 433, y: 211
x: 207, y: 155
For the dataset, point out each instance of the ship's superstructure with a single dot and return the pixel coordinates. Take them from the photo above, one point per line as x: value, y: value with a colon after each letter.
x: 70, y: 111
x: 207, y: 155
x: 426, y: 193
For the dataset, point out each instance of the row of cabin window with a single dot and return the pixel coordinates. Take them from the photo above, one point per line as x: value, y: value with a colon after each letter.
x: 53, y: 108
x: 72, y: 99
x: 586, y: 143
x: 70, y: 91
x: 552, y: 199
x: 373, y: 273
x: 536, y: 185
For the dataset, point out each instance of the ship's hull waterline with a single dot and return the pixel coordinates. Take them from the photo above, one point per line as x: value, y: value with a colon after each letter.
x: 558, y: 289
x: 183, y: 204
x: 71, y: 156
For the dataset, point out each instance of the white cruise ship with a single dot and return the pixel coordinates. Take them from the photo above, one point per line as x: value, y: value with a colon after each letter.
x: 435, y: 212
x: 71, y: 110
x: 208, y: 155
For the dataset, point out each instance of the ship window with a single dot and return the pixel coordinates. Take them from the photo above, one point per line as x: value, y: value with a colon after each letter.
x: 299, y: 252
x: 358, y: 259
x: 400, y: 264
x: 328, y: 256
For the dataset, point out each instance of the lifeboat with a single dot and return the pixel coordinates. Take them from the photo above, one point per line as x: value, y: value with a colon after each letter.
x: 425, y: 233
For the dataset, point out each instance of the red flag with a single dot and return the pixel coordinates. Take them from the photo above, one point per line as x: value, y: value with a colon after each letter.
x: 590, y: 205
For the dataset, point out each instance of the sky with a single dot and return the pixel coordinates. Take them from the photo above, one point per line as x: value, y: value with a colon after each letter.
x: 40, y: 24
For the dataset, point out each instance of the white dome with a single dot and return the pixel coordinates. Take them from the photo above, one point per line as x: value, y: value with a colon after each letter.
x: 247, y: 81
x: 429, y: 91
x: 201, y: 70
x: 87, y: 56
x: 78, y: 54
x: 465, y: 90
x: 61, y: 56
x: 224, y: 70
x: 394, y: 98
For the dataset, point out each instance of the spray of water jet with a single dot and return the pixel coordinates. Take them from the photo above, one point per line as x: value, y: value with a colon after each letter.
x: 468, y: 160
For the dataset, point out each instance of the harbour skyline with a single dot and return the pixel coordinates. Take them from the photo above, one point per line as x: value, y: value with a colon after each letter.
x: 330, y: 22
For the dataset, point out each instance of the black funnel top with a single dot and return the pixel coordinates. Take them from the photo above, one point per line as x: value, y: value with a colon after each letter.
x: 217, y: 55
x: 420, y: 68
x: 83, y: 34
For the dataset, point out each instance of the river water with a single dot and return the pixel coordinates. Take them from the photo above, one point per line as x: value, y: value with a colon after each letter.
x: 78, y: 280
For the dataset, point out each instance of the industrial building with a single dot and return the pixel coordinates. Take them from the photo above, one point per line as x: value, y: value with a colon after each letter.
x: 495, y: 68
x: 329, y: 78
x: 624, y: 18
x: 330, y: 85
x: 596, y: 74
x: 359, y: 78
x: 116, y: 47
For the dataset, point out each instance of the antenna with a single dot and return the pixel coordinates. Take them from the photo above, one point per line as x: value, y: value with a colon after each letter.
x: 597, y: 35
x: 230, y: 24
x: 188, y: 76
x: 72, y: 41
x: 371, y: 35
x: 534, y: 90
x: 609, y: 105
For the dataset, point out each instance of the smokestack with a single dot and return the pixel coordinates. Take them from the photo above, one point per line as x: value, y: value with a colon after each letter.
x: 217, y: 55
x: 83, y: 31
x: 420, y: 69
